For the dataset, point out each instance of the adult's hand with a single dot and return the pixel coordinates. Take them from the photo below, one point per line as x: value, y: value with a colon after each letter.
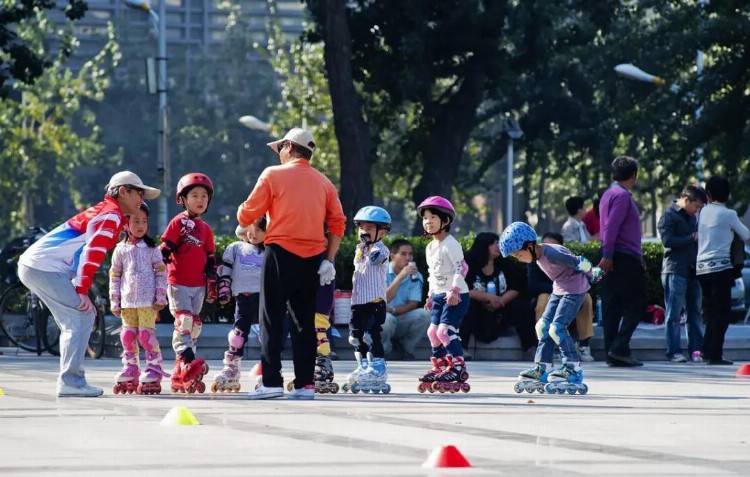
x: 85, y: 304
x: 407, y: 271
x: 327, y: 272
x: 495, y: 302
x: 606, y: 264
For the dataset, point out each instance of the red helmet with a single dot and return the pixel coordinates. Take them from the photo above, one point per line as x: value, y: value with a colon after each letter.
x: 438, y: 203
x: 188, y: 181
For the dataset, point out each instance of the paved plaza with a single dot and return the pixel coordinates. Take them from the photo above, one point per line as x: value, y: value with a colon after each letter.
x: 662, y: 419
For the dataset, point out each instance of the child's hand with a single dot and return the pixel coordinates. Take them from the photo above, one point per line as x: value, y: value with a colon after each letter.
x: 117, y: 312
x: 584, y: 266
x: 454, y: 298
x: 428, y: 304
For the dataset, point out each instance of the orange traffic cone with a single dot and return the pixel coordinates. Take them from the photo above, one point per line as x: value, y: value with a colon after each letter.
x: 446, y: 456
x: 257, y: 370
x: 743, y: 371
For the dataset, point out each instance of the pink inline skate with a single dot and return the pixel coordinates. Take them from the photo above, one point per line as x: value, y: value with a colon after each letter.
x: 150, y: 379
x: 126, y: 381
x: 228, y: 379
x: 453, y: 379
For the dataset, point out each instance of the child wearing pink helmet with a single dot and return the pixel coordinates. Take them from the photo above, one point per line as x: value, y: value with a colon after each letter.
x: 447, y: 300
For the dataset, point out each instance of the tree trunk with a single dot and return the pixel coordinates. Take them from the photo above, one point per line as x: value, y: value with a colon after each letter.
x: 352, y: 133
x: 451, y: 123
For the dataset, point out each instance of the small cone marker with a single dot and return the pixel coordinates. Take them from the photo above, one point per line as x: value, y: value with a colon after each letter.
x: 446, y: 456
x: 2, y: 393
x: 179, y: 416
x: 743, y: 371
x: 257, y: 370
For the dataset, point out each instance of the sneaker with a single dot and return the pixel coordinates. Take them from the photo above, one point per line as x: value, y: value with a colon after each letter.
x: 303, y: 394
x: 585, y: 353
x: 696, y: 357
x: 65, y: 390
x: 262, y: 392
x: 407, y: 356
x: 623, y: 361
x: 678, y: 358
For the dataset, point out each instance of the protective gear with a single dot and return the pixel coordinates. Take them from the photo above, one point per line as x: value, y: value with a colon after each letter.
x: 354, y: 341
x: 225, y: 291
x: 558, y: 332
x: 189, y: 181
x: 183, y: 322
x: 327, y: 272
x: 114, y: 303
x: 211, y: 293
x: 147, y: 338
x: 542, y: 329
x: 375, y: 215
x: 438, y: 203
x: 322, y: 324
x: 167, y: 249
x: 374, y: 256
x: 236, y: 340
x: 197, y: 328
x: 432, y: 334
x: 514, y: 236
x: 128, y: 336
x: 584, y: 265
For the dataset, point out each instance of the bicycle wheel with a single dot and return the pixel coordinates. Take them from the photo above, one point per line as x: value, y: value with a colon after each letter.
x: 17, y: 319
x: 50, y: 332
x: 95, y: 347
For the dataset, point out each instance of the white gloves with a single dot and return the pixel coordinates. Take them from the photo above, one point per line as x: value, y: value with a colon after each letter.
x: 327, y: 272
x: 584, y: 265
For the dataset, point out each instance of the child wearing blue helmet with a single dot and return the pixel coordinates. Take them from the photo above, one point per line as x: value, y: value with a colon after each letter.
x: 569, y: 287
x: 369, y: 302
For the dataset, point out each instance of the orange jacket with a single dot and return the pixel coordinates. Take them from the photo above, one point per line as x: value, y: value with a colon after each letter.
x: 298, y: 199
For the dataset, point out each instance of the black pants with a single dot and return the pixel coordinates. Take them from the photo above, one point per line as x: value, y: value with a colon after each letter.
x: 717, y: 308
x: 368, y: 318
x: 623, y: 294
x: 246, y: 310
x: 288, y: 279
x: 486, y: 325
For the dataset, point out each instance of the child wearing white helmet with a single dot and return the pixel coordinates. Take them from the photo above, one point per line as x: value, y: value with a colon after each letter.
x: 447, y: 299
x: 239, y: 276
x: 369, y: 302
x: 569, y: 287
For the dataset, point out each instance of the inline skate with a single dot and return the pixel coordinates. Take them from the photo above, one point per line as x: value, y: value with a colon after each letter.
x: 438, y: 366
x: 126, y: 381
x: 453, y: 378
x: 354, y: 376
x: 566, y: 379
x: 324, y: 376
x: 373, y: 379
x: 188, y: 377
x: 228, y: 379
x: 150, y: 378
x: 532, y: 379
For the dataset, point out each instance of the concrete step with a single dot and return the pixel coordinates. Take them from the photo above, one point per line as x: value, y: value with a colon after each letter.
x: 648, y: 344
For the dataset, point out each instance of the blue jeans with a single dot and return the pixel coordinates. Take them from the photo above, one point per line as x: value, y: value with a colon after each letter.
x: 561, y: 310
x: 681, y: 292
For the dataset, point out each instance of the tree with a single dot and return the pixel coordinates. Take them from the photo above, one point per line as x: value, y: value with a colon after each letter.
x: 48, y: 136
x: 18, y: 59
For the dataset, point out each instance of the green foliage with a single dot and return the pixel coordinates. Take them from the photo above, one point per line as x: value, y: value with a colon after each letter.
x: 51, y: 134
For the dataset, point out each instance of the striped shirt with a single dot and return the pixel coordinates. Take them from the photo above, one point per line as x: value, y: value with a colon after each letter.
x: 78, y: 246
x: 444, y: 260
x: 368, y: 281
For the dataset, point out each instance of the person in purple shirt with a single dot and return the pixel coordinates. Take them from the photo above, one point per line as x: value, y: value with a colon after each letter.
x: 623, y: 289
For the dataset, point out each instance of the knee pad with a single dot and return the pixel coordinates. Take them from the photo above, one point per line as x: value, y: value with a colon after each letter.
x: 322, y: 322
x: 442, y: 334
x: 183, y: 322
x: 558, y: 332
x: 433, y: 336
x: 542, y: 329
x: 367, y: 338
x: 195, y: 332
x: 128, y: 335
x: 353, y: 340
x: 147, y: 338
x: 236, y: 340
x: 324, y: 347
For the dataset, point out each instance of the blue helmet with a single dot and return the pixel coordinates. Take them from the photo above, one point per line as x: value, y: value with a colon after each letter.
x: 514, y: 236
x: 375, y: 215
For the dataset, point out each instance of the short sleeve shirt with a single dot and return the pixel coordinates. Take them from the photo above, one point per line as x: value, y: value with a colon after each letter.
x: 408, y: 290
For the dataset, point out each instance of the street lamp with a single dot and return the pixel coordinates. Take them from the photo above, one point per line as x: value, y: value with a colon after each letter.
x: 514, y: 132
x: 162, y: 163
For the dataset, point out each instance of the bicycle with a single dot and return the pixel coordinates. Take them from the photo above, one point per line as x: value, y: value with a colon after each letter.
x: 24, y: 318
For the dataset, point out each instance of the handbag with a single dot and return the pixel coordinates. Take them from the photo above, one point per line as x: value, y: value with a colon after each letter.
x: 737, y: 255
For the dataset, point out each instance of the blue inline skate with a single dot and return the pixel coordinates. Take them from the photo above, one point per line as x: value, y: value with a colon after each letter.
x: 532, y: 379
x: 566, y: 379
x: 354, y: 377
x: 373, y: 379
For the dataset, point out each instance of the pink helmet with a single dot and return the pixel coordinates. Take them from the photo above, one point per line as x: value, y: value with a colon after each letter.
x: 438, y: 203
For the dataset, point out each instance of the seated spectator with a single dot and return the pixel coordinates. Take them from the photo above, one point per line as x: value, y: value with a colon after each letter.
x: 497, y: 287
x: 574, y: 230
x: 405, y: 320
x: 540, y: 286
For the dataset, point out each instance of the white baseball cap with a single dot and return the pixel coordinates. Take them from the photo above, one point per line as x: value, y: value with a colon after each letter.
x: 298, y: 136
x: 127, y: 178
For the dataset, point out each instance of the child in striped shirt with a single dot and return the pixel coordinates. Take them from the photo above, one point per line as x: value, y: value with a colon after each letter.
x: 368, y: 301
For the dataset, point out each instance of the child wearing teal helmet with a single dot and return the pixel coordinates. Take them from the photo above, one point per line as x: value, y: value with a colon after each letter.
x: 369, y: 302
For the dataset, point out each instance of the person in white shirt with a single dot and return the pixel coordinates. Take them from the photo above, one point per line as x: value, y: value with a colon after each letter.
x: 574, y: 230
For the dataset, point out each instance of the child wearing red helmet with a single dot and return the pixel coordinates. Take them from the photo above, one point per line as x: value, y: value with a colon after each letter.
x: 188, y: 250
x: 447, y: 300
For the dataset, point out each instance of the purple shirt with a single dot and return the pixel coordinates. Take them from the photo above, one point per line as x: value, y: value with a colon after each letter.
x: 620, y: 225
x: 559, y: 264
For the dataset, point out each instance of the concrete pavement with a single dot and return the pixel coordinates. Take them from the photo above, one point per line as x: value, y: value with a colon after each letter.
x: 663, y: 419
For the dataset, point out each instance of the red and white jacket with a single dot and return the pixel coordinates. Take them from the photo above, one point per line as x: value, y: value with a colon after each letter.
x: 78, y: 246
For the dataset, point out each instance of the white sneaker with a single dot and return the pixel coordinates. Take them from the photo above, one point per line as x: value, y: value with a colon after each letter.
x: 585, y: 353
x: 65, y: 390
x: 303, y: 394
x: 262, y: 392
x: 678, y: 358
